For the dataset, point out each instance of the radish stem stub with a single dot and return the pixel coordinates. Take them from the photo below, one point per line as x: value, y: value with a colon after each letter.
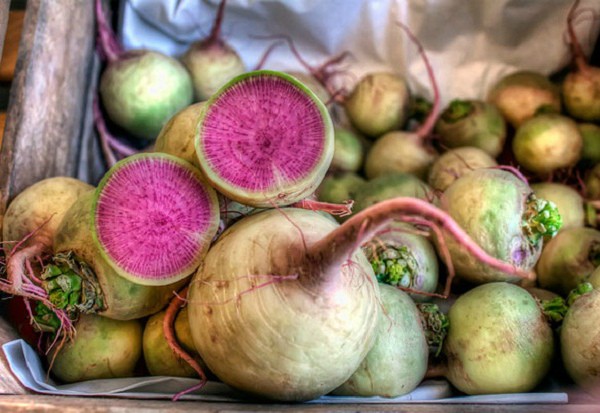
x: 264, y: 139
x: 154, y: 218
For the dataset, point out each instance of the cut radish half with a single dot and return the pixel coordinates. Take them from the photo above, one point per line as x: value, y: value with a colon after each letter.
x: 264, y: 139
x: 154, y: 218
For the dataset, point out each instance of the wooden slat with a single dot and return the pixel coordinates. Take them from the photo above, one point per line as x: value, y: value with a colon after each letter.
x: 8, y: 383
x: 4, y: 10
x: 48, y: 96
x: 49, y: 101
x: 2, y: 123
x: 11, y: 45
x: 55, y: 404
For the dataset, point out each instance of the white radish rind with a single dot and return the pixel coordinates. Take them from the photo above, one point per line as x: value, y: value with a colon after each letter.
x: 154, y: 218
x: 264, y: 139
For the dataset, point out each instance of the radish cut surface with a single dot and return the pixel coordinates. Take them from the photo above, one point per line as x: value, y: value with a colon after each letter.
x: 264, y: 139
x: 154, y: 218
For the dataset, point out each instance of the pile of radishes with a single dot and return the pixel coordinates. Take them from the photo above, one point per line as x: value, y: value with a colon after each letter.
x: 287, y: 237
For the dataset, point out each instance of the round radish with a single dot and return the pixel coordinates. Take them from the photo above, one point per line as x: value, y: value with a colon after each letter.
x: 581, y: 87
x: 398, y: 360
x: 472, y: 123
x: 406, y: 151
x: 501, y: 213
x: 29, y: 226
x: 567, y: 200
x: 338, y: 188
x: 388, y: 187
x: 212, y: 62
x: 39, y: 208
x: 102, y: 349
x: 498, y: 341
x: 580, y: 341
x: 140, y: 89
x: 520, y: 95
x: 154, y: 218
x: 178, y: 135
x: 547, y: 142
x: 568, y: 259
x: 404, y: 259
x: 285, y: 305
x: 455, y: 163
x: 348, y: 152
x: 378, y: 104
x: 141, y: 233
x: 160, y: 359
x: 264, y: 139
x: 590, y: 133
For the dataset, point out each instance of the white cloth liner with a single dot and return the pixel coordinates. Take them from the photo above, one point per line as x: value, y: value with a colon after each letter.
x: 26, y: 365
x: 470, y: 43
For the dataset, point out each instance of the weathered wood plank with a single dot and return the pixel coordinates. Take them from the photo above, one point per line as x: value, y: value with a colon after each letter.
x: 54, y: 404
x: 49, y: 94
x: 4, y: 10
x: 8, y: 383
x: 2, y: 123
x: 11, y: 45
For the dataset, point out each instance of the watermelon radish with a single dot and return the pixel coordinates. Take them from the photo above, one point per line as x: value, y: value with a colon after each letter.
x: 264, y: 139
x: 140, y: 234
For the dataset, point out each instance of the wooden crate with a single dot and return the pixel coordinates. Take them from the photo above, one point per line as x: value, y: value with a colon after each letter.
x: 49, y: 132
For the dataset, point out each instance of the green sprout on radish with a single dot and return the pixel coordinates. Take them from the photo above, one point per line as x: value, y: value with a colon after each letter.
x: 541, y: 219
x: 395, y: 266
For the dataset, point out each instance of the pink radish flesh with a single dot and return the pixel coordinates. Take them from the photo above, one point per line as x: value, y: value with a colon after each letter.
x: 155, y: 217
x: 264, y: 133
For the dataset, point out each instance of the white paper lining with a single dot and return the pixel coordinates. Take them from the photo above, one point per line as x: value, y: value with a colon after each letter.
x: 471, y: 44
x: 27, y: 367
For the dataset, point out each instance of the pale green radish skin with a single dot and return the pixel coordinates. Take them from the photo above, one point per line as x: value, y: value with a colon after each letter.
x: 348, y: 151
x: 568, y: 259
x: 285, y: 192
x: 388, y: 187
x: 40, y: 208
x: 580, y: 91
x: 580, y: 341
x: 489, y: 204
x: 122, y: 299
x: 547, y: 142
x: 456, y: 162
x: 338, y: 188
x: 472, y: 123
x: 177, y: 136
x: 378, y: 104
x: 211, y: 65
x: 590, y: 133
x: 498, y: 341
x: 399, y: 152
x: 142, y: 90
x: 594, y: 278
x: 592, y: 183
x: 398, y: 360
x: 519, y: 95
x: 291, y: 340
x: 102, y: 349
x: 160, y: 359
x: 567, y: 200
